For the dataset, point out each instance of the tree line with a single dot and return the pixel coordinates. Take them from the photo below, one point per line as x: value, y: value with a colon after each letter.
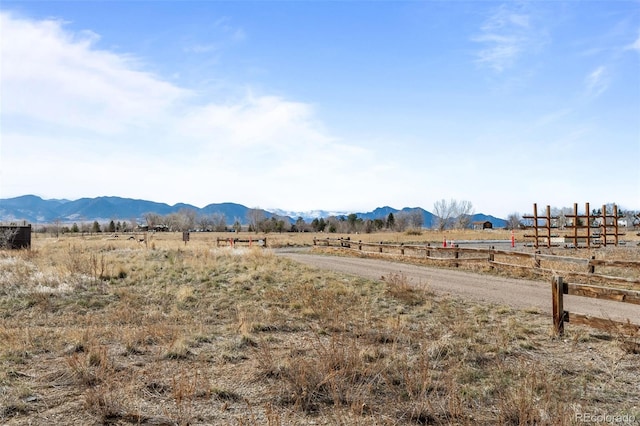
x: 448, y: 214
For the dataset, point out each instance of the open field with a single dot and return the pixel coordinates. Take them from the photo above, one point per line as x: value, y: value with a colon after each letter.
x: 101, y: 330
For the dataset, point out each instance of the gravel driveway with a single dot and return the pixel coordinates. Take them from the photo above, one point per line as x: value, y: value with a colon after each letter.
x: 516, y: 293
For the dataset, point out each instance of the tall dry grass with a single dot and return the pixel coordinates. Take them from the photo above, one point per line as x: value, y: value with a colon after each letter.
x: 98, y: 331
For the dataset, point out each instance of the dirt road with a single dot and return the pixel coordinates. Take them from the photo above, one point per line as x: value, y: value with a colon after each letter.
x: 516, y: 293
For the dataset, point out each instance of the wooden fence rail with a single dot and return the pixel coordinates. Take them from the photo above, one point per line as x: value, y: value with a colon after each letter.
x: 559, y: 288
x: 455, y: 256
x: 250, y: 242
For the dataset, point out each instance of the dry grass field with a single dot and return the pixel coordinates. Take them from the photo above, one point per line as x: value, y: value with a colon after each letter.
x: 101, y: 330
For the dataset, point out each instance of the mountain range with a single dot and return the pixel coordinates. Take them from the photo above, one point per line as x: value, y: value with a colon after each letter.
x: 33, y: 209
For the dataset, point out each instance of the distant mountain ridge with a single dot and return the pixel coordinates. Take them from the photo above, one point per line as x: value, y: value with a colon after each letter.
x: 33, y: 209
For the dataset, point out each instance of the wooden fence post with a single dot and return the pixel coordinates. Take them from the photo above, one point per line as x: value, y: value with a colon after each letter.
x: 456, y: 255
x: 492, y: 257
x: 558, y: 306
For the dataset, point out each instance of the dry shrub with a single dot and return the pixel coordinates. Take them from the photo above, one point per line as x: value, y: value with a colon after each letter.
x: 331, y: 374
x: 399, y: 287
x: 90, y: 366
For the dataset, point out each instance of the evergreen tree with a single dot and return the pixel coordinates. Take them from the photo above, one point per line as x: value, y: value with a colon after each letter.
x: 352, y: 219
x: 391, y: 221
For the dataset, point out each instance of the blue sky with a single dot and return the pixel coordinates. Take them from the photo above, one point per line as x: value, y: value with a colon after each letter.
x: 334, y: 105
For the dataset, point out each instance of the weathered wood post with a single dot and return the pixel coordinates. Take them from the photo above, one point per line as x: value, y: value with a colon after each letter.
x: 588, y: 218
x: 402, y: 249
x: 548, y: 226
x: 456, y: 254
x: 535, y: 224
x: 558, y: 305
x: 492, y: 256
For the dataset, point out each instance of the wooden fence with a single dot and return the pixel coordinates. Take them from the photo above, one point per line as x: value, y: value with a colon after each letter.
x: 559, y: 288
x: 454, y: 255
x: 247, y: 242
x: 586, y: 230
x: 457, y: 255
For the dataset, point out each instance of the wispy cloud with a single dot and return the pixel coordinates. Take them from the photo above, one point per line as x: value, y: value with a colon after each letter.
x: 234, y: 33
x: 635, y: 45
x: 226, y: 34
x: 597, y: 82
x: 506, y: 35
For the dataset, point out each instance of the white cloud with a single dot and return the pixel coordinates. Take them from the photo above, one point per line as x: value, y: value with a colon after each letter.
x: 59, y: 78
x: 91, y: 122
x: 506, y: 35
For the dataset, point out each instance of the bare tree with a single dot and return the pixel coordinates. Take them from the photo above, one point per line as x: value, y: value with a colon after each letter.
x: 514, y: 221
x: 174, y: 222
x: 188, y: 218
x: 415, y: 218
x: 153, y: 219
x: 444, y: 212
x: 205, y: 223
x: 561, y: 214
x: 401, y: 220
x: 219, y: 222
x: 463, y: 212
x: 255, y: 217
x: 452, y: 214
x: 408, y: 219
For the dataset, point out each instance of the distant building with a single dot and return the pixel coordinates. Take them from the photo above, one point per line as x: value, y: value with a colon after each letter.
x: 482, y: 225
